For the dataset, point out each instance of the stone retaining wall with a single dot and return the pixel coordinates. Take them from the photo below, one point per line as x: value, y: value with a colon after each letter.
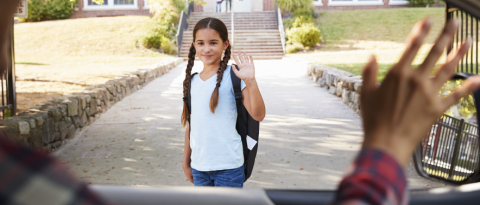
x: 51, y: 124
x: 338, y: 82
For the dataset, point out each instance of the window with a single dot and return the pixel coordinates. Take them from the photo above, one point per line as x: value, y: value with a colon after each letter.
x: 317, y: 2
x: 397, y: 2
x: 354, y: 2
x: 145, y: 4
x: 123, y: 2
x: 89, y: 5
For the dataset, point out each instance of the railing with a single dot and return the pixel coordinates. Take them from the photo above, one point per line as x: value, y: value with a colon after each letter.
x: 232, y: 40
x: 468, y: 29
x: 7, y: 80
x: 183, y: 26
x: 281, y: 29
x: 451, y: 149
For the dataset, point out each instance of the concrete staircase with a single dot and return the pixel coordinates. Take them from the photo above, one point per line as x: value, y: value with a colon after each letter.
x: 255, y: 33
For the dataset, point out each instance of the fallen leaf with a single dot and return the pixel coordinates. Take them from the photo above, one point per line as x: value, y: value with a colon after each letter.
x: 132, y: 149
x: 259, y: 163
x: 113, y: 167
x: 85, y: 171
x: 259, y: 172
x: 301, y: 168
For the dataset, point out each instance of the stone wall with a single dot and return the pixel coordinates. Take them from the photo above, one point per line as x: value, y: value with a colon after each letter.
x: 338, y: 82
x: 51, y: 124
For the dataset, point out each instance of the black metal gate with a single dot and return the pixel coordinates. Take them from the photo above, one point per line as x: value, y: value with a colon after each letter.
x: 468, y: 28
x: 8, y: 107
x: 451, y: 148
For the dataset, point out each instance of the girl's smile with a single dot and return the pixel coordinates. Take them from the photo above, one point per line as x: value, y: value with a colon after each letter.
x: 209, y: 47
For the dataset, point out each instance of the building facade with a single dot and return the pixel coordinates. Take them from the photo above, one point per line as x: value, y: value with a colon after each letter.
x: 87, y: 8
x: 321, y: 5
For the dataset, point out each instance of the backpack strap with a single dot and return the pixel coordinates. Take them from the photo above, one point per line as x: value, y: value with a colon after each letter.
x: 237, y: 89
x: 188, y: 101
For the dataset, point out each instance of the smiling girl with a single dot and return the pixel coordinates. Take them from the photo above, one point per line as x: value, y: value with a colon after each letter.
x: 213, y: 154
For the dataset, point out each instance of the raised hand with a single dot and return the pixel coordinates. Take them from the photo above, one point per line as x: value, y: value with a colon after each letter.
x: 245, y: 65
x: 399, y: 113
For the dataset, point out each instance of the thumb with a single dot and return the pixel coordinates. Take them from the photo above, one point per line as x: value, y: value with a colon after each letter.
x: 234, y: 68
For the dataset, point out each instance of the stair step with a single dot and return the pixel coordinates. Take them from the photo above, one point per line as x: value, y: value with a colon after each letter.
x: 253, y: 53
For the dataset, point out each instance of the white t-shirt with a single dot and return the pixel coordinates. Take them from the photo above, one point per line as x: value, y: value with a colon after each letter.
x: 215, y: 143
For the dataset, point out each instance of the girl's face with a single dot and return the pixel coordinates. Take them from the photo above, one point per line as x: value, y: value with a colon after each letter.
x: 209, y: 46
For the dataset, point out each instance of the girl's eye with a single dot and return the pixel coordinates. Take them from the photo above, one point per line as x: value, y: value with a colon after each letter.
x: 214, y: 43
x: 200, y: 43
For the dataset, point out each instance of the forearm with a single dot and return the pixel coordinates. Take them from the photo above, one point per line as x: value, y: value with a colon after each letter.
x: 257, y: 106
x: 187, y: 151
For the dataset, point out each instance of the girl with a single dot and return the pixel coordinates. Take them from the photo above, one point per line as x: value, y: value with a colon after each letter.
x: 213, y: 154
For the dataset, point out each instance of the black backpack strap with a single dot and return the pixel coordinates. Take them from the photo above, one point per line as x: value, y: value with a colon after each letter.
x: 237, y: 89
x: 188, y: 101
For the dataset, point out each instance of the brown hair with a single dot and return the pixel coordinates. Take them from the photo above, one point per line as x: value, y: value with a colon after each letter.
x: 219, y: 26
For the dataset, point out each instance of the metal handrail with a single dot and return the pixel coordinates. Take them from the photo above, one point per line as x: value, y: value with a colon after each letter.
x: 281, y: 29
x: 183, y: 26
x: 232, y: 41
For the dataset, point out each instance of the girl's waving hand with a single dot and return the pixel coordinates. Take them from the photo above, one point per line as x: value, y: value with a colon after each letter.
x: 252, y: 98
x: 245, y: 65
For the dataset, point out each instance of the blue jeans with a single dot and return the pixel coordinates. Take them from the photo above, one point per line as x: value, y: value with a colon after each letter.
x: 221, y: 178
x: 219, y: 7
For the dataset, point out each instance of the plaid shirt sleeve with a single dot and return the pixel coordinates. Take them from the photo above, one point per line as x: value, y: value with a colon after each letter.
x: 33, y: 177
x: 374, y: 178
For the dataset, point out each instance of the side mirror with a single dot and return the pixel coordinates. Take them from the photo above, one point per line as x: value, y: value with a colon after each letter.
x: 450, y: 150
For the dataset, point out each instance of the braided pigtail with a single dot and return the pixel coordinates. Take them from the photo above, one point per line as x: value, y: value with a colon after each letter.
x: 223, y: 67
x: 186, y: 83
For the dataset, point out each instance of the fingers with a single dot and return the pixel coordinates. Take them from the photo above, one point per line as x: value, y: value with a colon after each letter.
x: 447, y: 70
x: 236, y: 59
x: 468, y: 86
x: 437, y: 50
x: 241, y: 57
x: 369, y: 75
x: 415, y: 40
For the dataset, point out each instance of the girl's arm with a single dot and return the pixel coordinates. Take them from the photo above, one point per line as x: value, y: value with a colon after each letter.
x: 187, y: 151
x: 253, y: 101
x: 252, y: 98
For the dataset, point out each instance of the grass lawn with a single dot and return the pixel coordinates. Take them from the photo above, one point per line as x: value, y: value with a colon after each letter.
x: 351, y: 36
x: 75, y: 53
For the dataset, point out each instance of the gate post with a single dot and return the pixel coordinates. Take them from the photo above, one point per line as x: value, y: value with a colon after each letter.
x: 456, y: 149
x: 10, y: 76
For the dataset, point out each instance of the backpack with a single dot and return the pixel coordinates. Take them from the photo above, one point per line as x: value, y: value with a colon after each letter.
x: 246, y: 126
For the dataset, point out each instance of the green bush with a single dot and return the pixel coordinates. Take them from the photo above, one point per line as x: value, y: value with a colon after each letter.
x: 168, y: 46
x: 293, y: 48
x: 308, y: 35
x: 152, y: 40
x: 301, y: 21
x: 39, y: 10
x: 292, y: 5
x: 162, y: 28
x: 304, y: 12
x: 421, y: 3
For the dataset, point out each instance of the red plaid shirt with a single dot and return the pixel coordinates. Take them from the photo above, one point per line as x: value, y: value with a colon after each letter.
x: 32, y: 177
x: 374, y: 178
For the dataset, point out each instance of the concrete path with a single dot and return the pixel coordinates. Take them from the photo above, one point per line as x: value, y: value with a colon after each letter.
x: 307, y: 139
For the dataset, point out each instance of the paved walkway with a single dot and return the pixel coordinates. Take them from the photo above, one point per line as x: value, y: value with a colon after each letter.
x: 307, y: 139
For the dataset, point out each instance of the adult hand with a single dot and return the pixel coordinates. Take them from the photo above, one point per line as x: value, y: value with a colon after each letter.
x: 188, y: 173
x: 399, y: 113
x: 245, y: 65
